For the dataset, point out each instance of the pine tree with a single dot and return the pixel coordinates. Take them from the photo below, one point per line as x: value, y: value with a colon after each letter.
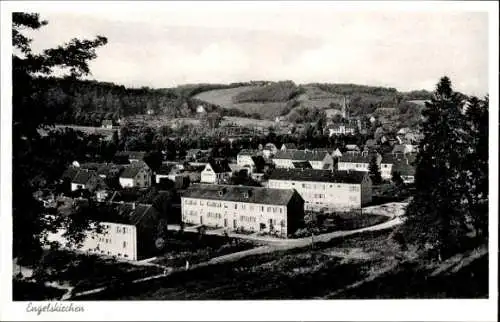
x: 374, y: 170
x: 435, y: 217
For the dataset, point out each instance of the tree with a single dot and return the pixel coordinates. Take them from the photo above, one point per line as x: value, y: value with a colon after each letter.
x: 396, y: 178
x: 31, y: 160
x: 436, y: 216
x: 374, y: 170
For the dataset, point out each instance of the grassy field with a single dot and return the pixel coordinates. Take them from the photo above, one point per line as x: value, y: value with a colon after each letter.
x: 327, y: 271
x: 224, y: 98
x: 189, y: 246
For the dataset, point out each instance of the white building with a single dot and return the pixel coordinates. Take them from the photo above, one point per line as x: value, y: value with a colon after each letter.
x: 216, y: 172
x: 317, y: 159
x: 341, y: 130
x: 325, y: 189
x: 274, y: 211
x: 135, y: 176
x: 86, y: 180
x: 129, y: 231
x: 357, y: 161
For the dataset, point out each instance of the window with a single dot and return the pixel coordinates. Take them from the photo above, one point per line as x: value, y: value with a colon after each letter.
x: 124, y: 230
x: 268, y: 209
x: 262, y: 208
x: 124, y: 244
x: 118, y: 230
x: 281, y: 210
x: 235, y: 206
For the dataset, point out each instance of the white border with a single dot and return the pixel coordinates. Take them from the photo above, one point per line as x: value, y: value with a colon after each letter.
x: 388, y: 310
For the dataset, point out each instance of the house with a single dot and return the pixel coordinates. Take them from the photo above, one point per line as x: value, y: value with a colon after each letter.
x: 216, y: 172
x: 86, y: 180
x: 256, y: 209
x: 288, y: 146
x: 244, y: 157
x: 341, y: 129
x: 107, y: 124
x: 163, y: 172
x: 357, y: 162
x: 317, y: 159
x: 129, y: 232
x: 269, y: 150
x: 135, y: 176
x: 405, y: 169
x: 387, y: 165
x: 336, y: 153
x: 325, y: 189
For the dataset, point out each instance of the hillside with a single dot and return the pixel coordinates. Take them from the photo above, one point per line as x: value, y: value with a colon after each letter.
x: 280, y: 99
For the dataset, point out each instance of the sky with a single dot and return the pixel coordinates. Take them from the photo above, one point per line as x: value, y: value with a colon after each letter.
x: 238, y: 41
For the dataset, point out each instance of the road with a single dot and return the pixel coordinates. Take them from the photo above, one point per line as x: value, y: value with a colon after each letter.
x: 273, y: 244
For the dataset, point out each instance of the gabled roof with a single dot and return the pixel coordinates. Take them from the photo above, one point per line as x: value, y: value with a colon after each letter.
x: 355, y: 158
x: 258, y: 195
x: 107, y: 122
x: 70, y: 173
x: 193, y: 151
x: 220, y: 166
x: 391, y: 159
x: 131, y: 155
x: 164, y: 169
x: 126, y: 213
x: 352, y: 147
x: 130, y: 172
x: 259, y: 161
x: 317, y: 175
x: 82, y: 177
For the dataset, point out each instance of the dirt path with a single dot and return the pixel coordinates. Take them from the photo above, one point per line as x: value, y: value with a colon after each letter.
x: 276, y: 245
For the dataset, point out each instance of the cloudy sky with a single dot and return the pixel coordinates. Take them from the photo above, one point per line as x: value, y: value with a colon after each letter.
x: 237, y: 41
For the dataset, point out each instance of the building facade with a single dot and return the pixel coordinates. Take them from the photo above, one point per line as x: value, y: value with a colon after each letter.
x: 216, y: 172
x: 325, y: 189
x: 135, y: 177
x: 256, y: 209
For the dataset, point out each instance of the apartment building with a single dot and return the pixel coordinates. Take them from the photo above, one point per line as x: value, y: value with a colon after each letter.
x: 325, y: 189
x: 256, y: 209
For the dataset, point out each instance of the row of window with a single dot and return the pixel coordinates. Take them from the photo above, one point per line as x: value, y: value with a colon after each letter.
x: 121, y: 230
x: 353, y: 188
x: 242, y: 206
x: 97, y: 250
x: 248, y: 219
x: 214, y: 215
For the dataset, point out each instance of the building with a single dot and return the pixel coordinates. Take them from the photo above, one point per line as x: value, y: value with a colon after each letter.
x: 325, y: 189
x: 244, y: 157
x: 406, y: 170
x: 402, y: 149
x: 129, y: 232
x: 86, y: 180
x: 216, y: 172
x: 341, y: 129
x: 288, y: 146
x: 135, y: 176
x: 386, y: 166
x: 352, y: 148
x: 163, y: 172
x: 357, y: 162
x: 274, y: 211
x: 317, y: 159
x: 107, y: 124
x: 269, y: 150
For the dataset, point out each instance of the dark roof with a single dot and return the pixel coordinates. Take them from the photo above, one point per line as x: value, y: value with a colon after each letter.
x: 355, y: 158
x: 398, y: 148
x: 193, y: 151
x: 220, y: 166
x: 259, y: 195
x: 82, y: 177
x: 390, y: 158
x: 370, y: 142
x: 165, y: 169
x: 107, y: 122
x: 130, y: 172
x: 109, y: 168
x: 69, y: 173
x: 93, y: 166
x: 318, y: 175
x: 126, y: 213
x: 301, y: 155
x: 403, y: 168
x: 302, y: 165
